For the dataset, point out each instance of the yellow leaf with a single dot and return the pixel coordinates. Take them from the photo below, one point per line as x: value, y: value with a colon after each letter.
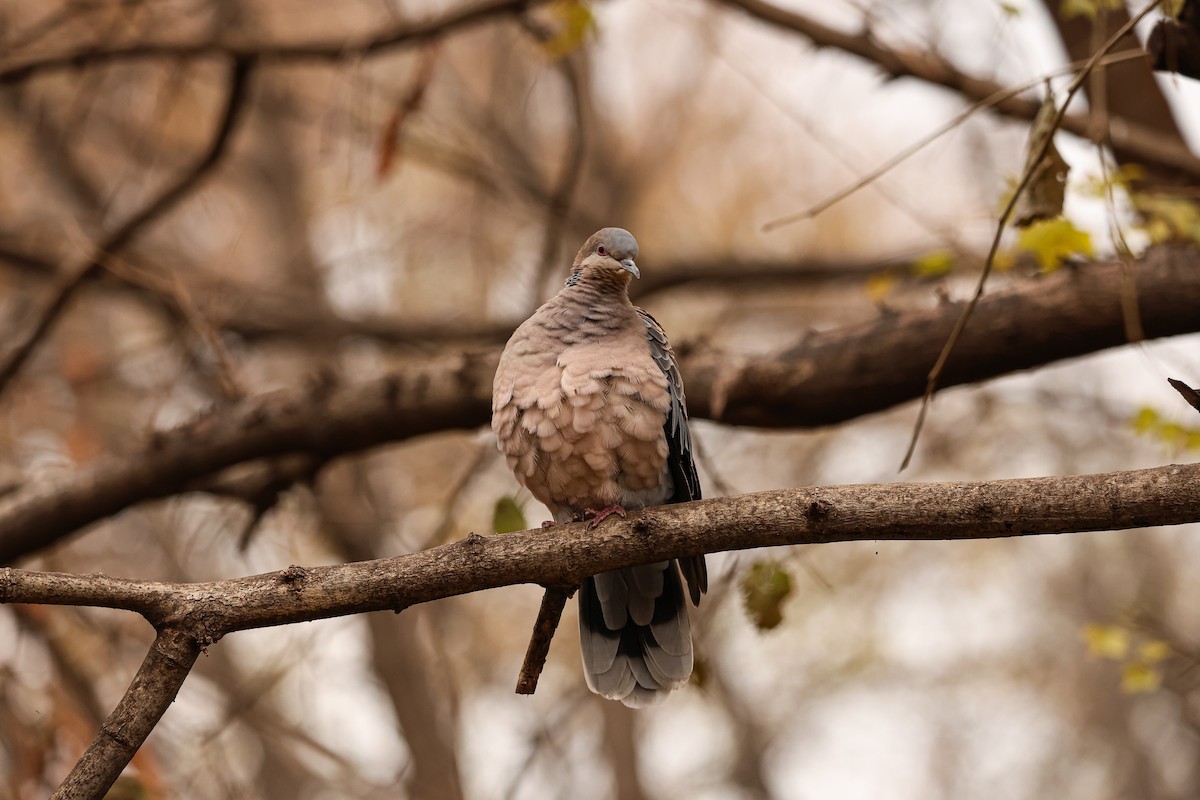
x: 1145, y: 420
x: 1148, y: 422
x: 1053, y: 240
x: 879, y: 286
x: 574, y: 23
x: 933, y: 264
x: 1087, y: 8
x: 1106, y: 641
x: 1121, y: 178
x: 1169, y: 218
x: 1005, y: 260
x: 1137, y: 677
x: 1155, y: 650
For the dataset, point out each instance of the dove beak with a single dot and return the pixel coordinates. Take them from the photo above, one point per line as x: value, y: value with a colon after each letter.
x: 631, y: 267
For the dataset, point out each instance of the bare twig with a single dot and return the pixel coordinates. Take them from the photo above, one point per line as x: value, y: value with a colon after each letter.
x: 899, y: 158
x: 549, y: 613
x: 337, y: 50
x: 1030, y: 170
x: 558, y: 206
x: 124, y: 233
x: 1148, y: 146
x: 389, y: 144
x: 171, y: 290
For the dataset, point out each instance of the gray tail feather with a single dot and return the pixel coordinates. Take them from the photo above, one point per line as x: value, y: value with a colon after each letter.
x: 635, y: 634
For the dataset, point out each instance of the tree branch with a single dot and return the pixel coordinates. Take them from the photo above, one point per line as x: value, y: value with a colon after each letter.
x: 149, y: 695
x: 400, y: 35
x: 124, y: 233
x: 321, y: 421
x: 566, y: 554
x: 1136, y: 141
x: 192, y: 615
x: 831, y: 377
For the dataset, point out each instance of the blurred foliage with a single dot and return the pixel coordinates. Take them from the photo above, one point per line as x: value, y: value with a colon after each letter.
x: 1088, y: 8
x: 764, y: 588
x: 1149, y: 422
x: 1141, y: 666
x: 507, y: 516
x: 1052, y: 241
x: 934, y: 264
x: 573, y: 24
x: 1169, y: 218
x: 1107, y: 641
x: 296, y: 257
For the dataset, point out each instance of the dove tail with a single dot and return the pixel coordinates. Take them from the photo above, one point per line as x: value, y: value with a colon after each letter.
x: 634, y: 633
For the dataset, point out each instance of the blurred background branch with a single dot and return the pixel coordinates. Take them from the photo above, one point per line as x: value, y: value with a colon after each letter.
x: 285, y: 354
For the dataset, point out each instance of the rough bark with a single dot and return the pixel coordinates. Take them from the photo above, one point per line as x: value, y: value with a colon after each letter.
x: 566, y: 554
x: 190, y: 616
x: 152, y: 691
x: 831, y: 377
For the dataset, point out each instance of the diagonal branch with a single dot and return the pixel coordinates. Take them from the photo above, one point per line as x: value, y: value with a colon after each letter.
x: 400, y: 35
x: 1031, y: 169
x: 149, y: 695
x: 124, y: 233
x: 1143, y: 144
x: 831, y: 377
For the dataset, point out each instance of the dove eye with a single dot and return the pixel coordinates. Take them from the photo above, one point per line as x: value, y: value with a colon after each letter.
x: 601, y: 250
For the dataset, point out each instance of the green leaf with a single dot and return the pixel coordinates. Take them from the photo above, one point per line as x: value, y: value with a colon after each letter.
x: 764, y: 588
x: 507, y: 516
x: 1053, y: 240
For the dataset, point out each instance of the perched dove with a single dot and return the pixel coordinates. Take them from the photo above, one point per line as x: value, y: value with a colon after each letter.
x: 588, y: 409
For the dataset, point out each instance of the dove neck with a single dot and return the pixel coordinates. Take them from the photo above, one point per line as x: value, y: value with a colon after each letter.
x: 599, y: 283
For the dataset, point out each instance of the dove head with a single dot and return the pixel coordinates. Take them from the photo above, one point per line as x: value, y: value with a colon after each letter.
x: 608, y: 254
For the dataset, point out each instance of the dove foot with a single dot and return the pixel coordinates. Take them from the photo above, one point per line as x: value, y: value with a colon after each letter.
x: 605, y: 513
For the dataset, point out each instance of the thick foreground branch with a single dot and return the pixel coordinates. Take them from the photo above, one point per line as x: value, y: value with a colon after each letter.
x: 832, y: 377
x: 193, y: 615
x: 566, y: 554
